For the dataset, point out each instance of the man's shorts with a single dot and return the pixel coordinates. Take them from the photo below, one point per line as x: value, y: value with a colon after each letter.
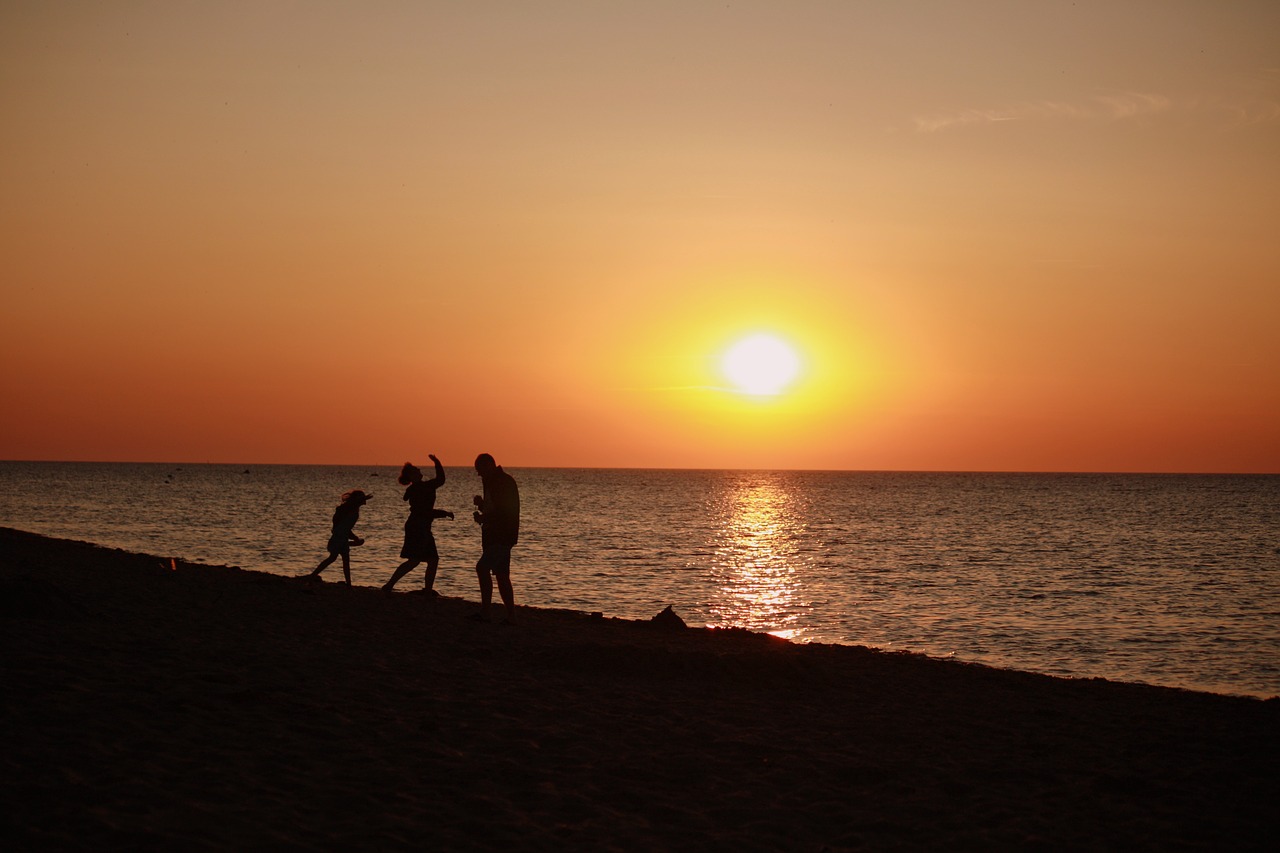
x: 496, y: 559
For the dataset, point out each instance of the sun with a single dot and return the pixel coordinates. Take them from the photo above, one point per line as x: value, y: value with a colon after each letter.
x: 761, y: 365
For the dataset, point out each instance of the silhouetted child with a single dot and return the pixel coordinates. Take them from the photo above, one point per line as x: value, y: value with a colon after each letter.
x: 343, y: 536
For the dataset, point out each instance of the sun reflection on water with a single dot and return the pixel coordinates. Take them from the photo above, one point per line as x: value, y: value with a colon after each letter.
x: 756, y: 556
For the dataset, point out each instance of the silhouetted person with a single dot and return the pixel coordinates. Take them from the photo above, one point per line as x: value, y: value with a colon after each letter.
x: 498, y: 515
x: 344, y: 536
x: 419, y: 542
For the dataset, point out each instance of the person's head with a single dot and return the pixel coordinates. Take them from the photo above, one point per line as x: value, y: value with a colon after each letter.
x: 356, y: 497
x: 485, y: 464
x: 410, y: 473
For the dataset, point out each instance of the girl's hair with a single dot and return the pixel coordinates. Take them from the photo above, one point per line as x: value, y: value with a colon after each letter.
x: 408, y: 468
x: 354, y: 494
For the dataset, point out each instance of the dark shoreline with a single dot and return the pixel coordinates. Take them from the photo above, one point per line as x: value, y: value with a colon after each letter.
x: 210, y: 706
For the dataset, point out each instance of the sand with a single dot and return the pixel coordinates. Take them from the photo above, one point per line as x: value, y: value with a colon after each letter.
x: 151, y: 707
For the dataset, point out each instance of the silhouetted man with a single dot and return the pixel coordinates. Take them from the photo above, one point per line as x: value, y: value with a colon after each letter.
x: 498, y: 515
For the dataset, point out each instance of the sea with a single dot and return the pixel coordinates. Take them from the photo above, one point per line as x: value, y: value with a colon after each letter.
x: 1170, y: 580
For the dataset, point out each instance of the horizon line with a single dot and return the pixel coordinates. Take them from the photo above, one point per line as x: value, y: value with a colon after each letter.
x: 1045, y: 472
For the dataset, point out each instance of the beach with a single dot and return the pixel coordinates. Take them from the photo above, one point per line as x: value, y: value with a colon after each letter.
x: 152, y: 704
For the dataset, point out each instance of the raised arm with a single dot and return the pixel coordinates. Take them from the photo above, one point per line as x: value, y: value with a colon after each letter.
x: 439, y: 478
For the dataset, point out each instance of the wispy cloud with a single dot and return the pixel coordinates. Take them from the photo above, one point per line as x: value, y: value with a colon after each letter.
x: 1256, y: 101
x: 1247, y: 100
x: 1133, y: 105
x: 1120, y: 106
x: 1254, y: 113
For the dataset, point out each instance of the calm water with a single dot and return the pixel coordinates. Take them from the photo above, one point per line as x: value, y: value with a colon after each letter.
x: 1171, y: 580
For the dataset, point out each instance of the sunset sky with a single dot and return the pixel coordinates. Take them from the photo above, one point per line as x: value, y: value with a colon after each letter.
x: 994, y: 235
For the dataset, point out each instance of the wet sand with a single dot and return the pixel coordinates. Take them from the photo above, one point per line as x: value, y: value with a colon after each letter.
x: 150, y: 707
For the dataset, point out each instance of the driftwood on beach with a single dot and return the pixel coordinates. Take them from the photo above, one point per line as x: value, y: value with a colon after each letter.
x: 157, y: 705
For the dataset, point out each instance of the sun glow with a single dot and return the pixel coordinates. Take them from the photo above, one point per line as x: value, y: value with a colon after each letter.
x: 761, y: 365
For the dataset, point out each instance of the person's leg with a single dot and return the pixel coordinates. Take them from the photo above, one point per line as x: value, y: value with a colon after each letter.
x: 324, y: 564
x: 433, y: 563
x: 508, y: 596
x: 401, y: 570
x: 486, y: 586
x: 503, y: 573
x: 346, y: 566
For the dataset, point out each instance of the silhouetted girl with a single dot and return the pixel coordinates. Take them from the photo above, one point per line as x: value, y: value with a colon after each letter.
x: 343, y: 536
x: 419, y: 541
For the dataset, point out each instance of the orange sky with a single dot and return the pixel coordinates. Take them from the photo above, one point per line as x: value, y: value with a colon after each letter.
x: 1000, y: 236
